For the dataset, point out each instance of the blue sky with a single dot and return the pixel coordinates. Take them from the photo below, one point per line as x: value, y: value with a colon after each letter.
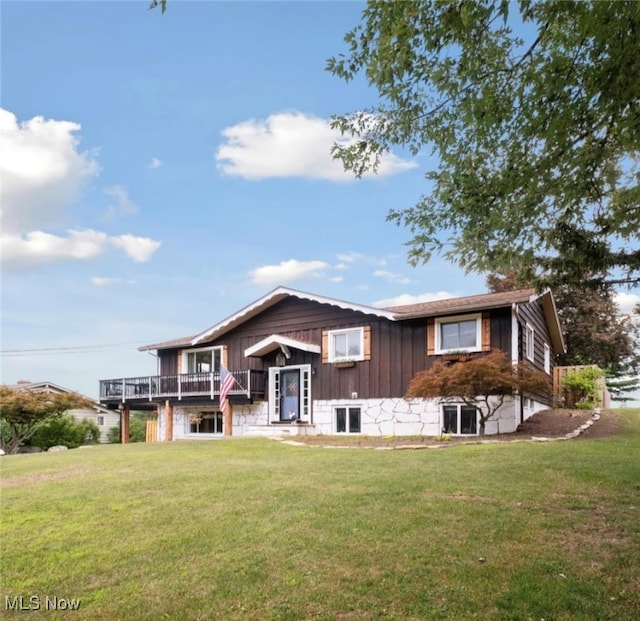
x: 162, y: 171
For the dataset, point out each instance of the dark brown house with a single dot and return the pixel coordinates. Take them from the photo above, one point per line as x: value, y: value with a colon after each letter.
x: 304, y: 363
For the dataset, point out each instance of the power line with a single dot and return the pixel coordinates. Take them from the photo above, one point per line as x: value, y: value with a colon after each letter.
x: 74, y: 349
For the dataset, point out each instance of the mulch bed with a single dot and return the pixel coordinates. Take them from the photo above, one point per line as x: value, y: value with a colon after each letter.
x: 554, y: 423
x: 543, y: 424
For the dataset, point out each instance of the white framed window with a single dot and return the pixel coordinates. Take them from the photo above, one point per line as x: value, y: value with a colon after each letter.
x: 206, y: 360
x: 100, y: 420
x: 346, y: 344
x: 547, y: 358
x: 459, y: 419
x: 206, y: 422
x: 348, y: 420
x: 460, y: 333
x: 529, y: 342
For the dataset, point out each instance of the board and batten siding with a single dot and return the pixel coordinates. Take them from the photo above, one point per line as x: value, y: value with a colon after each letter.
x: 532, y: 314
x: 398, y: 349
x: 169, y: 361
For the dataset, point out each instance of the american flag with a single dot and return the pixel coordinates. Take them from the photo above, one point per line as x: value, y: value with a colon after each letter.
x: 227, y: 381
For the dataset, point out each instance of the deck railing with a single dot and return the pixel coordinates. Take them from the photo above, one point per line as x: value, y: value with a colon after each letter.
x: 249, y: 383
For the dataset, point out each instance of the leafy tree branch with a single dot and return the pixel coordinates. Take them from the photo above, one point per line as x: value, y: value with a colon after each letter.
x: 483, y: 382
x: 533, y: 111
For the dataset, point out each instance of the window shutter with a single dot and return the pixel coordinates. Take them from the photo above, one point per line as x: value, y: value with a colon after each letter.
x: 325, y: 346
x: 224, y: 357
x: 179, y: 367
x: 431, y: 337
x: 366, y: 352
x: 486, y: 332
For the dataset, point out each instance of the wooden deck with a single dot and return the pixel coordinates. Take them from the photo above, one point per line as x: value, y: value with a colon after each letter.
x: 249, y: 384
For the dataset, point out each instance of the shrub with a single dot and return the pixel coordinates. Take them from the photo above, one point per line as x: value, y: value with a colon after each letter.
x: 584, y: 386
x: 586, y: 405
x: 65, y: 430
x: 137, y: 429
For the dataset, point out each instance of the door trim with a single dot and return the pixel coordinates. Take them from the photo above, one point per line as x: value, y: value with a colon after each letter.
x: 305, y: 410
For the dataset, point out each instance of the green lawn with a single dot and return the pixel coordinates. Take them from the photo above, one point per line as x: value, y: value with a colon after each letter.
x: 253, y: 529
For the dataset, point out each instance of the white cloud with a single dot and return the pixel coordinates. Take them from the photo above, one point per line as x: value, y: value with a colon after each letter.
x: 154, y: 163
x: 37, y: 247
x: 42, y: 171
x: 139, y: 249
x: 42, y: 174
x: 627, y: 302
x: 290, y: 144
x: 358, y: 257
x: 287, y: 271
x: 407, y: 298
x: 122, y: 204
x: 392, y: 277
x: 100, y: 281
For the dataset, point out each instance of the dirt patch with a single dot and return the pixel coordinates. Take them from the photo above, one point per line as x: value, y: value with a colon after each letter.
x: 610, y: 424
x: 40, y: 477
x: 553, y: 423
x: 543, y: 424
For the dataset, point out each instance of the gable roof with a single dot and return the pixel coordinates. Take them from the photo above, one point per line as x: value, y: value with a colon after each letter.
x: 271, y: 299
x: 260, y: 305
x: 38, y: 386
x: 487, y: 301
x: 464, y: 304
x: 180, y: 342
x: 553, y: 321
x: 393, y: 313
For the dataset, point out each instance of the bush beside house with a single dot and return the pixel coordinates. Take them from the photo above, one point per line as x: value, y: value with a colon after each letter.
x: 65, y: 431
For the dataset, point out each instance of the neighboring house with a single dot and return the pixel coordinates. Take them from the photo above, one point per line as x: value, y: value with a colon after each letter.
x: 103, y: 417
x: 308, y: 364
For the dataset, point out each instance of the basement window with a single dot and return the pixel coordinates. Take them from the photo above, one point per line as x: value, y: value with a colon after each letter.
x: 460, y: 420
x: 348, y: 420
x: 206, y: 422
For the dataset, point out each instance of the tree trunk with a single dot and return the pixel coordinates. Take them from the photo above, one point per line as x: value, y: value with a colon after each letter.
x: 16, y: 439
x: 482, y: 422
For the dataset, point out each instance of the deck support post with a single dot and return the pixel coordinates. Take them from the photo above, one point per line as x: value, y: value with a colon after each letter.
x: 124, y: 424
x: 228, y: 419
x: 168, y: 430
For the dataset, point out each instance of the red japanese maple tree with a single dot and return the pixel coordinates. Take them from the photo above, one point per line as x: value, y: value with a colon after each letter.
x: 482, y: 381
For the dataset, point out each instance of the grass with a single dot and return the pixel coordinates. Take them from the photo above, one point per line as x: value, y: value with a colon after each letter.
x: 253, y: 529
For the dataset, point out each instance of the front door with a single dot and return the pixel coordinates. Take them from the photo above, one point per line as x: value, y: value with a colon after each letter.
x: 290, y: 395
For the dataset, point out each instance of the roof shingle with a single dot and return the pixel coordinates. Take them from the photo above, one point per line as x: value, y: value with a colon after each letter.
x: 486, y: 300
